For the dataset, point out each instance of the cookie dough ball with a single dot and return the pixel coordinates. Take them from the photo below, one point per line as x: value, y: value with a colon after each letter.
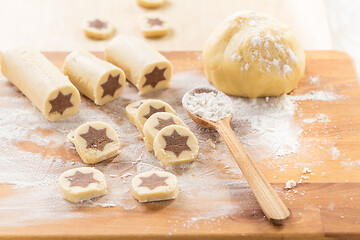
x: 132, y: 109
x: 154, y: 186
x: 252, y: 55
x: 150, y: 3
x: 157, y: 122
x: 80, y: 184
x: 95, y: 142
x: 97, y: 28
x: 149, y: 108
x: 175, y: 144
x: 154, y: 26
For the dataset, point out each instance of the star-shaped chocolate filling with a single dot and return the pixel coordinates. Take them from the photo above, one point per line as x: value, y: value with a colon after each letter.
x: 98, y: 24
x: 111, y: 85
x: 176, y: 143
x: 164, y: 123
x: 154, y: 110
x: 153, y: 181
x: 61, y: 103
x: 80, y: 179
x: 154, y: 22
x: 154, y: 77
x: 137, y: 106
x: 96, y: 138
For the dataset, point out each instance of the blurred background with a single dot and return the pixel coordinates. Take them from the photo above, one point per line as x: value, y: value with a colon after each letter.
x: 55, y: 25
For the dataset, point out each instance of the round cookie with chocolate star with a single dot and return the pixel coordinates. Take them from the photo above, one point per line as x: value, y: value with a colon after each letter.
x: 95, y: 142
x: 154, y: 186
x: 132, y: 108
x: 98, y: 28
x: 154, y: 26
x: 80, y: 184
x: 175, y: 144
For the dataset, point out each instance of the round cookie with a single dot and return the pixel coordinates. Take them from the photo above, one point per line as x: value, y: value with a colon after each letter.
x: 157, y: 122
x: 132, y: 108
x: 95, y: 142
x: 149, y: 108
x: 150, y: 3
x: 154, y: 186
x: 154, y: 26
x: 175, y: 144
x: 97, y: 28
x: 252, y: 55
x: 80, y: 184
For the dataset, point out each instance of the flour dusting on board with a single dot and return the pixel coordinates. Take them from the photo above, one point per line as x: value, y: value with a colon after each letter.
x: 35, y: 152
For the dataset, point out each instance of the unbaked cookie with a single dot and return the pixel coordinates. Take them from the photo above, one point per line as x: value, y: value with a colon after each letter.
x: 80, y: 184
x: 154, y: 26
x: 132, y: 108
x: 150, y: 3
x: 175, y: 144
x: 97, y: 28
x: 154, y: 186
x: 157, y: 122
x: 95, y: 141
x: 149, y: 108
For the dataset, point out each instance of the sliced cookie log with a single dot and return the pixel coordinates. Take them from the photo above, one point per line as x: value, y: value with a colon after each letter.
x: 175, y: 144
x: 149, y: 108
x: 144, y: 67
x: 154, y: 186
x: 132, y: 109
x: 97, y: 79
x: 41, y: 82
x: 95, y: 142
x: 154, y: 26
x: 157, y: 122
x: 150, y: 3
x: 98, y: 28
x: 80, y: 184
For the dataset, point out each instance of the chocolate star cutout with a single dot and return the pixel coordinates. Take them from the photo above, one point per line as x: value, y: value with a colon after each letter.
x: 164, y: 123
x: 98, y: 24
x: 96, y: 138
x: 111, y: 85
x: 176, y: 143
x: 136, y: 107
x: 155, y: 21
x: 80, y: 179
x: 153, y: 181
x: 60, y: 103
x: 154, y: 77
x: 154, y: 110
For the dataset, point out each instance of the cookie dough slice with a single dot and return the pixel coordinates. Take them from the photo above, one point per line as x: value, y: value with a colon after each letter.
x: 154, y: 26
x: 132, y: 109
x: 41, y: 82
x: 157, y: 122
x: 149, y: 108
x: 97, y: 28
x: 154, y: 186
x: 80, y: 184
x: 95, y: 142
x: 144, y: 67
x: 97, y: 79
x: 175, y: 144
x: 150, y: 3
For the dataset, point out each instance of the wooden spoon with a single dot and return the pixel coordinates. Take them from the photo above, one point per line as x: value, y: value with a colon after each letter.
x: 271, y: 204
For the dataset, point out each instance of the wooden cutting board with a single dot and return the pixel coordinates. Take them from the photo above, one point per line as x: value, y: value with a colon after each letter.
x: 327, y: 206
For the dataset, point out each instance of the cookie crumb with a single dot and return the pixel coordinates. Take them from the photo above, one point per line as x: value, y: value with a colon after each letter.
x: 211, y: 143
x: 290, y: 184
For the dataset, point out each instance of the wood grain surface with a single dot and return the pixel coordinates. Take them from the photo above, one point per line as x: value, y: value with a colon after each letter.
x: 325, y: 207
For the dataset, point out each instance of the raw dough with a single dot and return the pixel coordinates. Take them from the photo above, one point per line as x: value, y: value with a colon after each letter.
x: 132, y: 109
x: 149, y: 108
x: 97, y: 28
x: 80, y: 184
x: 154, y: 26
x: 99, y: 80
x: 150, y: 3
x: 157, y: 122
x: 41, y: 82
x: 154, y: 186
x: 144, y: 67
x: 252, y: 55
x: 175, y: 144
x: 95, y: 142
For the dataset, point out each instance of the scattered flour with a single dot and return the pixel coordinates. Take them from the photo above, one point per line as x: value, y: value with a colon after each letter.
x: 335, y: 153
x: 290, y: 184
x: 314, y: 79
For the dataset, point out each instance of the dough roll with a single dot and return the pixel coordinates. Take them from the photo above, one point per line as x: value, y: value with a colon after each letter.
x: 144, y: 67
x: 41, y: 82
x: 97, y: 79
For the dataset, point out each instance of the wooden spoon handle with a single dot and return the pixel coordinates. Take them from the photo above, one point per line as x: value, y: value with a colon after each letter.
x: 271, y: 204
